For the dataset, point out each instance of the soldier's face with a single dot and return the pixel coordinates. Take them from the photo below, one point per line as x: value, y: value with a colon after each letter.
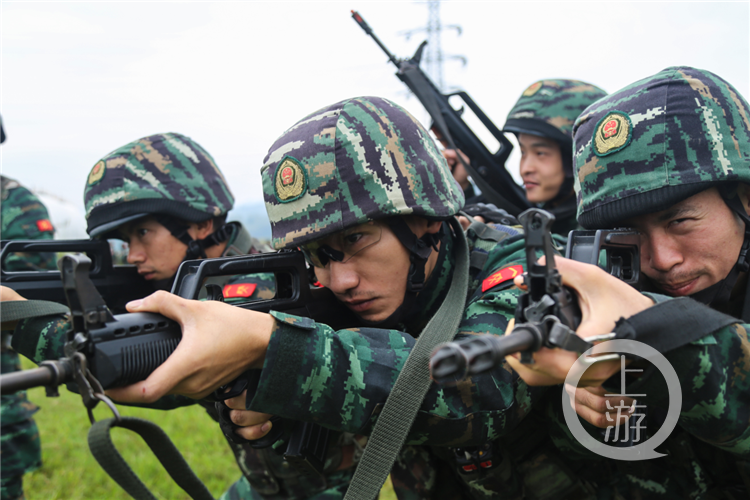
x: 373, y: 282
x: 691, y: 245
x: 153, y: 249
x: 541, y: 167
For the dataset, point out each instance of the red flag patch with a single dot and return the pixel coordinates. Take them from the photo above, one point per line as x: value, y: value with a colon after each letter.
x: 239, y: 290
x: 505, y: 274
x: 44, y: 225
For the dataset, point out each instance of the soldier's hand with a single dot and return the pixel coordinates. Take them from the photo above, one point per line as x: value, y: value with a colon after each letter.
x: 603, y: 300
x: 457, y: 168
x: 9, y: 295
x: 591, y: 404
x: 254, y: 424
x: 219, y: 342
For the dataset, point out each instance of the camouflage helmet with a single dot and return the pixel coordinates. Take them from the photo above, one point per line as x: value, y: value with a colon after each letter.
x: 657, y: 142
x: 164, y: 174
x: 358, y: 160
x: 548, y: 108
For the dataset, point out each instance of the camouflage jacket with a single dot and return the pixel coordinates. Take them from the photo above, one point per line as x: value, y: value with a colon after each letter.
x: 266, y: 475
x: 348, y: 390
x: 708, y: 454
x: 345, y: 376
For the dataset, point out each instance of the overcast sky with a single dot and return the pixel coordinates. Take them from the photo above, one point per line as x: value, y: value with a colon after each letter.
x: 79, y: 79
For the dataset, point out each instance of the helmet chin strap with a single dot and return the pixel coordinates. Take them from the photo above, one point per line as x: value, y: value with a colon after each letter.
x: 719, y: 293
x: 419, y: 251
x: 196, y: 249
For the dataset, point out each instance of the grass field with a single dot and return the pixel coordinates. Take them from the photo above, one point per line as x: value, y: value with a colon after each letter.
x: 69, y: 472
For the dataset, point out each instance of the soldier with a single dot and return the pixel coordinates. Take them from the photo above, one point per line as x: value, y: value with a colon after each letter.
x: 542, y: 120
x: 165, y: 196
x: 22, y: 216
x: 361, y: 188
x: 669, y: 156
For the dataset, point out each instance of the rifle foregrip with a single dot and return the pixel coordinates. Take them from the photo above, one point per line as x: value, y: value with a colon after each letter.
x: 129, y: 349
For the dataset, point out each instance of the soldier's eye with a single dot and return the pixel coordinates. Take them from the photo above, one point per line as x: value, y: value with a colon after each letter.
x: 351, y: 239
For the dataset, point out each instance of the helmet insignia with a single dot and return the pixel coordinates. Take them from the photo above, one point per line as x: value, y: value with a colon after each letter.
x: 612, y: 133
x: 97, y: 172
x: 291, y: 180
x: 533, y: 89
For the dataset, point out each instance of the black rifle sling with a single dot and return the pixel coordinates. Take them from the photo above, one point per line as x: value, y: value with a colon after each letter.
x: 112, y: 462
x: 673, y: 323
x: 23, y: 309
x: 406, y: 397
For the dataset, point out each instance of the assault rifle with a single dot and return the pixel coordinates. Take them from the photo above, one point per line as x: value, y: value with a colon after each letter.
x: 487, y: 169
x: 103, y: 350
x: 118, y: 285
x: 547, y: 314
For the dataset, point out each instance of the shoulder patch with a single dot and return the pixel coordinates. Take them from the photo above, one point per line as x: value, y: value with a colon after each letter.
x: 44, y: 225
x: 290, y: 181
x: 612, y: 133
x: 97, y: 173
x: 501, y: 276
x: 239, y: 290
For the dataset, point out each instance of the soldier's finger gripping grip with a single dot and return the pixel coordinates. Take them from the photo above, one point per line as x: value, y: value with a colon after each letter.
x: 247, y: 381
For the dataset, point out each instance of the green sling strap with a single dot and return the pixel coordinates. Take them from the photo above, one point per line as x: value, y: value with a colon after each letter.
x: 406, y: 397
x: 24, y: 309
x: 111, y: 461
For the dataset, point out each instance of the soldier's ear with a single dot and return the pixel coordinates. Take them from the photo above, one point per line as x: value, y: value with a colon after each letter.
x: 202, y: 229
x: 433, y: 226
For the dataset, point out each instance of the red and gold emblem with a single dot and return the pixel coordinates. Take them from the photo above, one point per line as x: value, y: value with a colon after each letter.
x: 97, y: 172
x: 239, y: 290
x: 291, y: 181
x: 504, y: 274
x: 533, y: 89
x: 44, y: 225
x: 612, y: 133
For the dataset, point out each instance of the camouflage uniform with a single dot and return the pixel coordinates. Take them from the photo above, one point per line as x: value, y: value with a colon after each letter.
x: 22, y: 216
x: 548, y: 108
x: 639, y: 151
x: 360, y: 160
x: 170, y: 176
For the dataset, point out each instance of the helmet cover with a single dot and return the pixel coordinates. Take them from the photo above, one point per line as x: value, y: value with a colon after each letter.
x: 163, y: 174
x: 657, y: 142
x: 357, y: 160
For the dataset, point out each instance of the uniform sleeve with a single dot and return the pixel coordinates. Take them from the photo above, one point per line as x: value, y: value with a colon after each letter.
x: 715, y: 385
x: 340, y: 379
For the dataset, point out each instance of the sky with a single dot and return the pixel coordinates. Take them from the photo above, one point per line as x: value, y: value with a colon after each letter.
x: 79, y: 79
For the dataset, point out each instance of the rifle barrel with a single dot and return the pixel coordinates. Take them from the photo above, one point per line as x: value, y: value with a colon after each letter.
x: 49, y: 373
x: 454, y: 361
x: 366, y: 27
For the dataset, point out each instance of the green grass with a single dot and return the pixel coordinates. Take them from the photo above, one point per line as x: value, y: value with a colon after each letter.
x: 69, y: 472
